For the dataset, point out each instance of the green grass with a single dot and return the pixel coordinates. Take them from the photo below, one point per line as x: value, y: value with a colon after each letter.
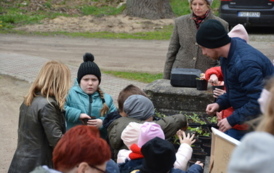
x: 163, y: 34
x: 90, y: 10
x: 141, y: 77
x: 15, y: 16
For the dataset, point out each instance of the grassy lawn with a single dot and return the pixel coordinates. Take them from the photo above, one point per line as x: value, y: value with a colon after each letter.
x: 141, y: 77
x: 17, y: 13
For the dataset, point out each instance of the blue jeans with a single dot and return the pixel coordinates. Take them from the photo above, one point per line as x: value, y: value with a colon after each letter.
x: 236, y: 134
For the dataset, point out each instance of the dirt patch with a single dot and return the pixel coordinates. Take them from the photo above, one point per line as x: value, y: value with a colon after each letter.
x: 116, y: 24
x: 11, y: 96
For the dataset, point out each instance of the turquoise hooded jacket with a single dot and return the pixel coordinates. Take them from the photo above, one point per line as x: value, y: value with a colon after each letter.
x: 78, y: 102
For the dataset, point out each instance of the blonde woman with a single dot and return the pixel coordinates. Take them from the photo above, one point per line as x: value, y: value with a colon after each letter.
x: 41, y: 119
x: 183, y: 51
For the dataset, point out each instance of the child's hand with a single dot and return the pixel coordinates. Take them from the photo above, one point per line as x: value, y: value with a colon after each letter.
x: 186, y: 138
x: 213, y: 79
x: 199, y: 163
x: 83, y: 116
x: 179, y: 133
x: 95, y: 122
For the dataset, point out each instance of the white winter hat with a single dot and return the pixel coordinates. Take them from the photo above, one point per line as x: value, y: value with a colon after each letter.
x: 209, y: 1
x: 239, y: 31
x: 131, y: 134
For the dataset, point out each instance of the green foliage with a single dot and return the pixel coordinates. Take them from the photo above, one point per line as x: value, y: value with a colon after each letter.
x: 159, y: 115
x: 15, y: 17
x: 212, y: 119
x: 196, y: 118
x: 175, y: 140
x: 198, y: 131
x: 105, y: 10
x: 47, y: 4
x: 163, y: 34
x: 12, y: 17
x: 215, y: 7
x: 180, y: 7
x: 141, y: 77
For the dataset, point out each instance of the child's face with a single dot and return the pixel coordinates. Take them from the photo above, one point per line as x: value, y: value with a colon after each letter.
x: 89, y: 83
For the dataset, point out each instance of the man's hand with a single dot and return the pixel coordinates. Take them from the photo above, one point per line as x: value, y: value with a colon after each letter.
x: 212, y: 108
x: 218, y: 92
x: 224, y: 125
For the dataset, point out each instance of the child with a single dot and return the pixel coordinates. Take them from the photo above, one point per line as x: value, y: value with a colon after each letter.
x: 159, y: 156
x: 115, y: 123
x: 132, y: 159
x: 123, y: 95
x: 86, y: 102
x: 136, y: 134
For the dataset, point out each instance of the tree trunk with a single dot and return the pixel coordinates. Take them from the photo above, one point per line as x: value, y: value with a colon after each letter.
x: 149, y: 9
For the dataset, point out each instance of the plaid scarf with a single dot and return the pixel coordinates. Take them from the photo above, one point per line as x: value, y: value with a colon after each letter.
x: 198, y: 20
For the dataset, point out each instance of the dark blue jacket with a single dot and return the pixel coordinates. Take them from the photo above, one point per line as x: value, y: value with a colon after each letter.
x: 244, y: 70
x: 192, y: 169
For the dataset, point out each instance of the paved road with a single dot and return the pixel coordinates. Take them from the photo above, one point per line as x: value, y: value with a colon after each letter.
x: 110, y: 54
x: 127, y: 55
x: 22, y: 56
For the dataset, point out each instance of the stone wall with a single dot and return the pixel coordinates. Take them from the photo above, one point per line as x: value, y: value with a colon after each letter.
x: 171, y: 100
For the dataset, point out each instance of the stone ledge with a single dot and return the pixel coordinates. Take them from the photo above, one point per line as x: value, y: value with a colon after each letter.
x: 171, y: 100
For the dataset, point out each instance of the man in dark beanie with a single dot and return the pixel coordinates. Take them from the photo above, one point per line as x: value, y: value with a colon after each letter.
x: 244, y: 69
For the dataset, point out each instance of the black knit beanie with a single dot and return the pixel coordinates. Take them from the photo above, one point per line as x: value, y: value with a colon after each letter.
x: 212, y: 34
x: 159, y: 156
x: 88, y: 67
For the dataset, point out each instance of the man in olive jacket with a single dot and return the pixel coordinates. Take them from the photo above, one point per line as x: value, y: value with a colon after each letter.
x: 134, y: 106
x: 115, y: 126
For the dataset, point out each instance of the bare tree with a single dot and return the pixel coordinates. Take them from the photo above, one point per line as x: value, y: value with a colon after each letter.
x: 149, y: 9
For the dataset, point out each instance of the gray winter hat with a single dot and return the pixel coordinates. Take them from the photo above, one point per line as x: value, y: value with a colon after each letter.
x: 139, y: 107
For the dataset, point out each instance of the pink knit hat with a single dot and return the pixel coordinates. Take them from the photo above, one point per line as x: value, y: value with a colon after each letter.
x: 131, y: 134
x: 148, y: 131
x: 239, y: 31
